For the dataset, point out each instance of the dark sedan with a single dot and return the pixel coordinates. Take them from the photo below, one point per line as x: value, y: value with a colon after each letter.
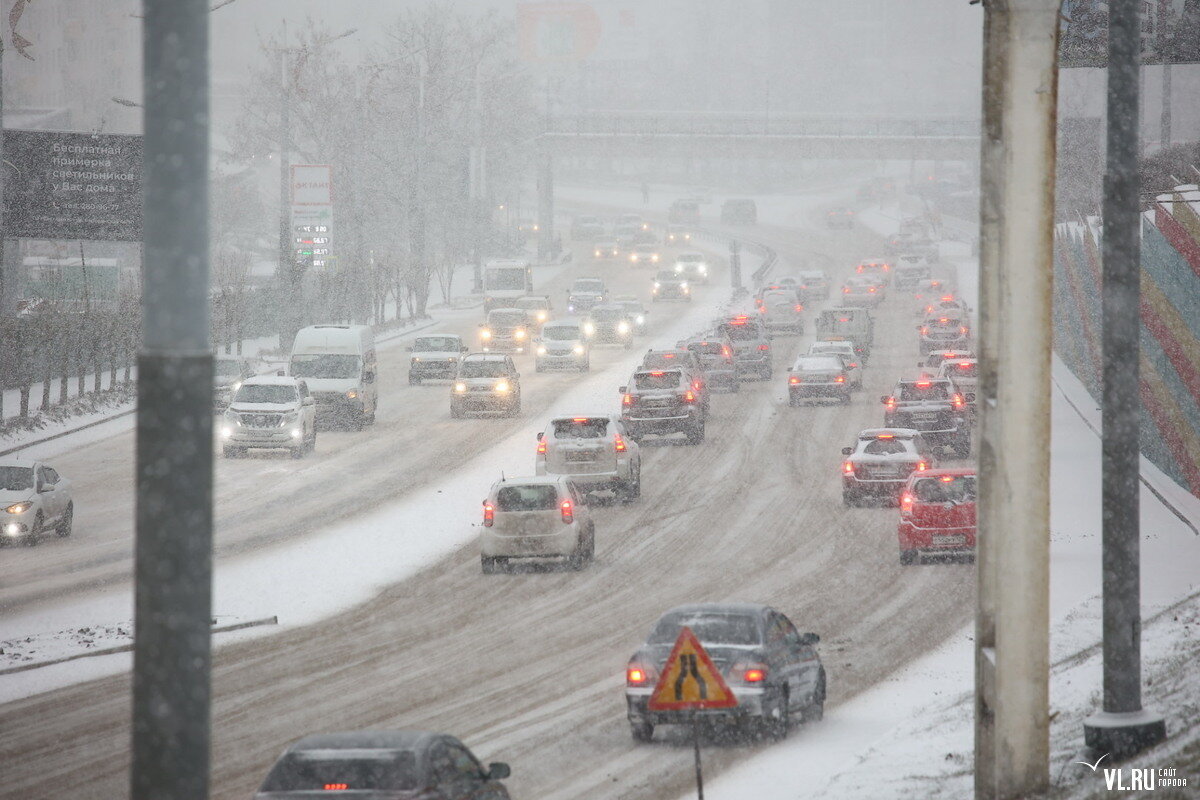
x: 383, y: 765
x: 773, y: 669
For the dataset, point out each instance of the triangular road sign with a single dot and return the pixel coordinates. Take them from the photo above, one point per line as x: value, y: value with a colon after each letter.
x: 690, y: 680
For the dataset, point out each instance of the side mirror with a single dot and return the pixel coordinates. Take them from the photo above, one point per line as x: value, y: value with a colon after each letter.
x: 970, y: 397
x: 498, y: 771
x: 368, y: 376
x: 846, y: 451
x: 885, y: 398
x: 622, y: 389
x: 42, y: 488
x: 463, y: 349
x: 540, y: 435
x: 809, y: 638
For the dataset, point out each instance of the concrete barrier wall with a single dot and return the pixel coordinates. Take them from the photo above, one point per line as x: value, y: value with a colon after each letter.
x: 1170, y: 339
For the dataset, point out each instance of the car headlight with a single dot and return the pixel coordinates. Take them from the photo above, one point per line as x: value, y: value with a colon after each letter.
x: 20, y: 508
x: 633, y: 257
x: 577, y: 349
x: 351, y: 394
x: 703, y: 270
x: 541, y: 351
x: 654, y: 257
x: 541, y: 316
x: 622, y: 327
x: 589, y: 328
x: 236, y: 385
x: 678, y: 268
x: 502, y: 386
x: 226, y: 432
x: 232, y: 417
x: 597, y: 254
x: 485, y: 334
x: 518, y: 334
x: 460, y: 387
x: 657, y: 285
x: 641, y: 320
x: 683, y: 284
x: 415, y: 359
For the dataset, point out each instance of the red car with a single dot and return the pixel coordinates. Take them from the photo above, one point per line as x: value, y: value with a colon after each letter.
x: 937, y: 515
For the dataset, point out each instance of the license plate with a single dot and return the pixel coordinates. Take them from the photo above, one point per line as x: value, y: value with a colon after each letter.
x: 882, y: 473
x: 950, y: 538
x: 580, y: 456
x: 924, y: 417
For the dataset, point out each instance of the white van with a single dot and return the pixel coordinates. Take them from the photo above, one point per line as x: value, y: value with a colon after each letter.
x: 338, y: 364
x: 504, y: 280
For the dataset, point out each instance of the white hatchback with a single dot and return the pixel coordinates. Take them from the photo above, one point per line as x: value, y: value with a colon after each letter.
x: 535, y: 518
x: 595, y: 452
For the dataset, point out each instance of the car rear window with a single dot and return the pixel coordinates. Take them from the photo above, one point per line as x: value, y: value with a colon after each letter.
x: 710, y: 628
x: 535, y: 497
x: 946, y: 489
x: 818, y: 364
x: 962, y: 370
x: 934, y: 391
x: 657, y: 380
x: 740, y: 333
x: 661, y: 360
x: 580, y: 428
x: 300, y: 772
x: 887, y: 447
x: 708, y: 348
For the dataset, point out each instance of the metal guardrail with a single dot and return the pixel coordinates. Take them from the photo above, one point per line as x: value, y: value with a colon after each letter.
x: 625, y: 123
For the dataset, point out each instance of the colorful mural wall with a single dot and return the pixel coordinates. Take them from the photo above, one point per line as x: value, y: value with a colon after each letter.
x: 1170, y: 312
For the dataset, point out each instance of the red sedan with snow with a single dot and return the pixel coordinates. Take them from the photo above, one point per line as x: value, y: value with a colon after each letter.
x: 937, y: 515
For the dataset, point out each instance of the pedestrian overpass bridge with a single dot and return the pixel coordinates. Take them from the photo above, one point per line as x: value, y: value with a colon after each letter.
x: 742, y: 137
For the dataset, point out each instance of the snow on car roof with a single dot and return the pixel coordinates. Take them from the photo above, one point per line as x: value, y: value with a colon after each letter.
x: 270, y: 380
x: 484, y: 357
x: 895, y: 433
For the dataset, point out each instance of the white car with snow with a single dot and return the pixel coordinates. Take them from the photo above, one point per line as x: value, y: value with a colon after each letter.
x: 34, y: 499
x: 693, y: 266
x: 595, y: 452
x: 270, y: 412
x: 536, y: 518
x: 844, y: 350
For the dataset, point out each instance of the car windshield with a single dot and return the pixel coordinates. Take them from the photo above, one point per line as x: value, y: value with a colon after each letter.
x: 324, y: 365
x: 535, y: 497
x: 482, y: 369
x: 830, y: 348
x: 946, y: 489
x: 505, y: 278
x: 886, y: 447
x: 818, y: 364
x: 666, y: 275
x: 710, y: 628
x: 437, y: 344
x: 707, y: 348
x: 560, y: 333
x: 645, y: 248
x: 227, y: 368
x: 580, y: 428
x: 506, y: 319
x: 689, y: 258
x: 608, y: 314
x: 303, y: 772
x: 594, y: 286
x: 533, y: 303
x: 632, y: 305
x: 656, y: 380
x: 931, y: 390
x: 265, y: 393
x: 16, y: 479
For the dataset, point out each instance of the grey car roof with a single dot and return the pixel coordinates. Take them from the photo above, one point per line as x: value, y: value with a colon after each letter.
x: 366, y: 740
x: 749, y: 609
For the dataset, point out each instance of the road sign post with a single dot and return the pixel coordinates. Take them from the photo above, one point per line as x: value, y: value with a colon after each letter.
x: 691, y: 682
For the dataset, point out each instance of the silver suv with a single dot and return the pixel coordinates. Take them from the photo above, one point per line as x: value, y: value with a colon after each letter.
x: 596, y: 452
x: 270, y: 412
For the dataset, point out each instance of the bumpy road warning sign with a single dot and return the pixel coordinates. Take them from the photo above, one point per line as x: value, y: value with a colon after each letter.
x: 690, y: 680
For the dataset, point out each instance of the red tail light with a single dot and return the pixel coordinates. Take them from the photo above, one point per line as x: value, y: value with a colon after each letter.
x: 924, y: 330
x: 922, y: 466
x: 337, y: 787
x: 852, y: 366
x: 872, y: 288
x: 762, y: 309
x: 793, y: 380
x: 845, y: 290
x: 847, y: 468
x: 906, y: 502
x: 924, y: 384
x: 890, y: 403
x: 541, y: 449
x: 656, y: 374
x: 886, y: 436
x: 568, y: 511
x: 947, y: 478
x: 798, y: 308
x: 618, y: 443
x: 689, y: 396
x: 949, y: 298
x: 749, y: 673
x: 840, y: 379
x: 489, y: 515
x: 963, y: 330
x: 627, y: 400
x: 764, y: 347
x: 958, y: 401
x: 725, y: 351
x: 639, y: 675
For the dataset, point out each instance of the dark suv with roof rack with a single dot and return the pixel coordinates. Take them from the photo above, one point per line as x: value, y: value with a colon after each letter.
x: 933, y: 406
x: 662, y: 402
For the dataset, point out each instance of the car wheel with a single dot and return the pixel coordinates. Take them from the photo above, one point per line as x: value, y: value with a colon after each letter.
x: 34, y: 537
x: 68, y: 518
x: 815, y: 711
x: 229, y: 451
x: 371, y: 418
x: 908, y: 557
x: 642, y: 731
x: 455, y: 412
x: 846, y: 399
x: 793, y: 400
x: 849, y: 500
x: 299, y: 451
x: 312, y: 441
x: 777, y: 727
x: 696, y: 434
x: 538, y: 368
x: 736, y: 386
x: 490, y: 565
x: 962, y: 446
x: 587, y: 366
x: 358, y: 420
x: 414, y: 380
x: 516, y: 407
x: 765, y: 374
x: 632, y: 490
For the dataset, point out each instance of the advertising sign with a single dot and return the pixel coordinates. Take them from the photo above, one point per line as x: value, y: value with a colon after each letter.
x: 73, y: 186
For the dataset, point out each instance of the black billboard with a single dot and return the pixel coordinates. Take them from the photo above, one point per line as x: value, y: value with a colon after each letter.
x: 73, y: 186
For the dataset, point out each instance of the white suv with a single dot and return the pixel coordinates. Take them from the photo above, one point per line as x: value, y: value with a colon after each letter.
x: 270, y: 411
x: 542, y: 517
x: 33, y: 499
x: 595, y: 452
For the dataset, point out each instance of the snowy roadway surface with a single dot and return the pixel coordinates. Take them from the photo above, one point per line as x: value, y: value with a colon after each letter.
x: 526, y: 668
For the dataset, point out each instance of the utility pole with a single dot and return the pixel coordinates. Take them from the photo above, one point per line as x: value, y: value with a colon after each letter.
x: 1012, y: 642
x: 173, y: 550
x: 288, y: 268
x: 1122, y: 728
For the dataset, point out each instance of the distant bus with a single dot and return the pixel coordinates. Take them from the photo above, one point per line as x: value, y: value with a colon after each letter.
x: 504, y: 280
